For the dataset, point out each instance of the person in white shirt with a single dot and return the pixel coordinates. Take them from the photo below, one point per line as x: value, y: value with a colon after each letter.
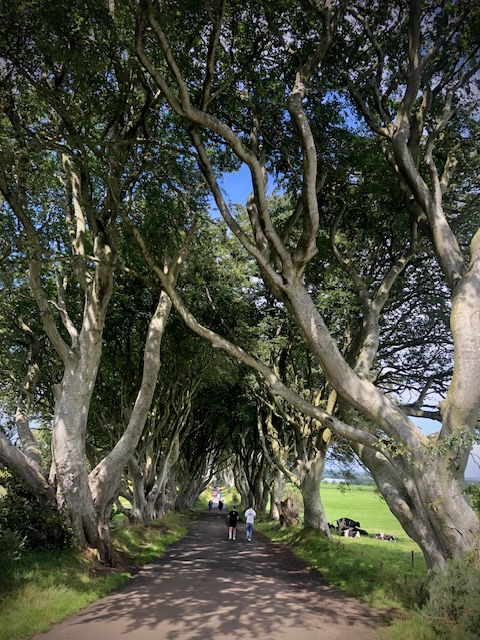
x: 250, y: 514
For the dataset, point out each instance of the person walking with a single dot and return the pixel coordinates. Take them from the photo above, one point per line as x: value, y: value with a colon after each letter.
x: 250, y: 514
x: 220, y: 505
x: 233, y: 516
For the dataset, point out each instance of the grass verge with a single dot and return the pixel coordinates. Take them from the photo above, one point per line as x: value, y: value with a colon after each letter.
x: 44, y: 587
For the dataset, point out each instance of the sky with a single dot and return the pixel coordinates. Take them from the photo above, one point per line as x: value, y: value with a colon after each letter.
x: 237, y: 186
x: 472, y: 472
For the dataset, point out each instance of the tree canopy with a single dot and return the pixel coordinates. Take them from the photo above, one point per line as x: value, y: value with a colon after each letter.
x: 348, y: 297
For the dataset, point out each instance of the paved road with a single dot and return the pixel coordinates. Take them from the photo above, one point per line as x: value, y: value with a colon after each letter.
x: 206, y: 588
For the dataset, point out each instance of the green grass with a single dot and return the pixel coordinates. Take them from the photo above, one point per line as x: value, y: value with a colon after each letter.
x: 363, y: 504
x: 49, y: 587
x: 44, y: 587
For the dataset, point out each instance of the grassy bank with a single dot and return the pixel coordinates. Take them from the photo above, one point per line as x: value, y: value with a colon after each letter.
x: 44, y: 587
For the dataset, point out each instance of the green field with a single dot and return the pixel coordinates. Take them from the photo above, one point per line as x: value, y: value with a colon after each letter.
x: 363, y: 504
x: 358, y: 502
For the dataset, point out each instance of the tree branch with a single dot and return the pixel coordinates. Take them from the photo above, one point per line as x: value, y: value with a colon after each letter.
x: 273, y: 382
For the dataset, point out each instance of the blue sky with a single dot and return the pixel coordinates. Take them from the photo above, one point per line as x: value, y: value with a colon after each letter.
x: 237, y: 186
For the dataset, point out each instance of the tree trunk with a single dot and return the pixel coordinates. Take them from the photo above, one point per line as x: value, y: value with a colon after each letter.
x: 27, y: 468
x: 103, y: 528
x: 262, y: 507
x: 24, y: 407
x: 243, y: 488
x: 258, y: 487
x: 434, y: 488
x: 276, y: 494
x: 288, y: 513
x: 105, y: 478
x: 139, y: 510
x: 68, y: 443
x: 313, y: 512
x: 424, y: 108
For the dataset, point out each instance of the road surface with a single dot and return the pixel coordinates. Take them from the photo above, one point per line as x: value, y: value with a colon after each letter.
x: 208, y: 588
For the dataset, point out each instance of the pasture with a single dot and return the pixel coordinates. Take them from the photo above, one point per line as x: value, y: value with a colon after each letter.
x: 364, y: 504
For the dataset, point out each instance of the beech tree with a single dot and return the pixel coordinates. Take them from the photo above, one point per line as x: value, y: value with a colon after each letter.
x: 93, y: 135
x: 254, y: 82
x: 66, y: 120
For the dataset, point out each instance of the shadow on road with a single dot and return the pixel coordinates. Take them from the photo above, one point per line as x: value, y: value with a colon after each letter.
x: 206, y: 587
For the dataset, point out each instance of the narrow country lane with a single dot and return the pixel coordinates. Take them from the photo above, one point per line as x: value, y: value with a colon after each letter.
x: 207, y: 588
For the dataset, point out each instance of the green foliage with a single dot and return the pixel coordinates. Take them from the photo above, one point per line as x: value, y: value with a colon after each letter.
x: 11, y: 547
x: 415, y: 628
x: 144, y: 543
x: 473, y: 492
x: 412, y: 594
x: 32, y: 516
x: 452, y: 610
x: 291, y: 492
x: 61, y: 97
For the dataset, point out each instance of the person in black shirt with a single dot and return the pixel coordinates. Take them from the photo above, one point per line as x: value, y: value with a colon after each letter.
x: 232, y: 523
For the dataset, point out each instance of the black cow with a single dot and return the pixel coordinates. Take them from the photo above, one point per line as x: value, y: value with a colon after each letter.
x: 346, y: 523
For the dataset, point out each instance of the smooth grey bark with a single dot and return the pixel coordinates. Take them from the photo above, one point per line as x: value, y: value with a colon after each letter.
x: 313, y: 512
x: 276, y: 494
x: 431, y: 482
x: 26, y: 467
x: 80, y: 357
x: 277, y: 460
x: 72, y: 402
x: 104, y: 480
x: 243, y: 486
x: 158, y: 451
x: 138, y: 510
x: 191, y: 483
x: 24, y: 407
x: 90, y: 206
x: 310, y: 445
x: 87, y: 499
x: 440, y: 524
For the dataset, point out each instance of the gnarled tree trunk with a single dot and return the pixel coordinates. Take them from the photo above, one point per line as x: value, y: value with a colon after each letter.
x: 288, y: 513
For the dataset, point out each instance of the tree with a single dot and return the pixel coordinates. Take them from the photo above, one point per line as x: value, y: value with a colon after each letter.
x: 419, y: 63
x: 79, y: 129
x: 367, y: 123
